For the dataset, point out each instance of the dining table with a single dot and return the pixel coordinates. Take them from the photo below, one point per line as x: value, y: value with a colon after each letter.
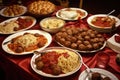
x: 17, y: 67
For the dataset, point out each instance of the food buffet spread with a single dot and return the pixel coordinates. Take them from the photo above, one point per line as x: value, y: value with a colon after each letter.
x: 47, y: 42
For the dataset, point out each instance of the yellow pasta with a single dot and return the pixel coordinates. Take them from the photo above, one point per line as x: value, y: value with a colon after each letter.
x: 70, y: 63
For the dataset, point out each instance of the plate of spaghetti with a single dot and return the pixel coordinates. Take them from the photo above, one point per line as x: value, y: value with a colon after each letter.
x: 17, y: 24
x: 56, y: 62
x: 26, y: 42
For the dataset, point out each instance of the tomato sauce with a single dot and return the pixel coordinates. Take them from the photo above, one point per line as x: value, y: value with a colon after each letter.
x: 24, y: 23
x: 102, y: 22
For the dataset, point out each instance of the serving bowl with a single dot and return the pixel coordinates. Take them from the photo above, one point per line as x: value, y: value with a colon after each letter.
x: 71, y: 14
x: 106, y: 25
x: 41, y: 9
x: 52, y: 24
x: 73, y: 61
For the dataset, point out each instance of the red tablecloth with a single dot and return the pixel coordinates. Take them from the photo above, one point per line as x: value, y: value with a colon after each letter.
x: 18, y: 67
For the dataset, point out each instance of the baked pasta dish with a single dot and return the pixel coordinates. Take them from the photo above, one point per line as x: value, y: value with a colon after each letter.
x: 41, y: 7
x: 13, y: 10
x: 80, y: 39
x: 58, y: 61
x: 27, y: 42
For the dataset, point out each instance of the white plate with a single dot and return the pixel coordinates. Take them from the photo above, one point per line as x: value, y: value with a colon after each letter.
x: 71, y: 9
x: 102, y: 29
x: 24, y: 8
x: 84, y: 51
x: 11, y: 19
x: 104, y: 73
x: 33, y: 66
x: 9, y: 38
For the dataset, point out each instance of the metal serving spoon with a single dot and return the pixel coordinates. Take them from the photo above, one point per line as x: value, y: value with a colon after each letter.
x: 111, y: 12
x: 89, y: 71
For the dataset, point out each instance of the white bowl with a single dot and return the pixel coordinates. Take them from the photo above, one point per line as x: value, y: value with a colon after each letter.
x: 71, y: 14
x: 103, y: 29
x: 58, y: 49
x: 52, y: 24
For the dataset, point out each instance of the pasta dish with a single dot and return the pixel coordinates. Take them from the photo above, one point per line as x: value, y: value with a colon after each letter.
x: 27, y: 42
x: 57, y: 62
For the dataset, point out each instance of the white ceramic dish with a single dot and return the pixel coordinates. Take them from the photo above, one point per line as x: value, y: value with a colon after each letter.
x: 104, y: 73
x: 24, y: 11
x: 52, y: 24
x: 33, y: 66
x: 11, y: 19
x: 9, y: 38
x: 111, y: 43
x: 101, y: 29
x: 73, y: 12
x: 85, y: 51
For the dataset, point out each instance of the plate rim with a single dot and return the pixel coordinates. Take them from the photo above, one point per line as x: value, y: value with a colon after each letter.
x: 86, y: 13
x: 15, y: 18
x: 50, y: 75
x: 82, y: 75
x: 7, y: 50
x: 25, y: 10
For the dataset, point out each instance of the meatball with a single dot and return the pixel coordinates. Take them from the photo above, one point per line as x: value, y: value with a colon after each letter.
x: 85, y: 29
x: 100, y: 44
x: 16, y: 29
x: 83, y: 34
x: 92, y: 35
x: 57, y: 37
x: 73, y: 39
x: 39, y: 65
x: 59, y: 34
x: 79, y: 42
x: 95, y: 46
x: 89, y: 31
x: 87, y: 37
x: 19, y: 49
x: 67, y: 43
x: 37, y: 35
x: 68, y: 38
x: 38, y: 59
x: 69, y: 32
x: 101, y: 39
x: 63, y: 29
x: 41, y: 44
x: 82, y: 47
x: 56, y: 69
x: 64, y: 34
x: 99, y: 35
x: 62, y: 40
x: 106, y: 78
x: 86, y: 42
x: 95, y: 40
x: 75, y: 31
x: 80, y: 38
x: 89, y: 47
x: 96, y: 76
x: 74, y: 45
